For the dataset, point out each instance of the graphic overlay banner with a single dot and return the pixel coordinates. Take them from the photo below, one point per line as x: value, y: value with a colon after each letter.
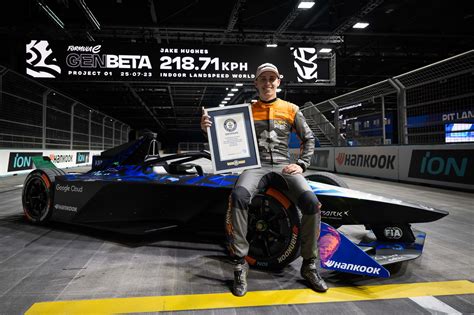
x: 232, y: 139
x: 112, y: 61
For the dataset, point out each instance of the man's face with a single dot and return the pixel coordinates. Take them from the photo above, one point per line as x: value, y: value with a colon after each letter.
x: 267, y: 84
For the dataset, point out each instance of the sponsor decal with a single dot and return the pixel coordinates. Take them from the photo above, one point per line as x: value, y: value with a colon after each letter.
x: 268, y: 140
x: 443, y: 165
x: 291, y: 247
x: 352, y: 267
x: 40, y: 62
x: 61, y: 158
x: 235, y: 163
x: 19, y: 161
x: 82, y: 157
x: 383, y: 161
x: 69, y: 188
x: 393, y: 232
x: 65, y: 208
x: 334, y: 214
x: 320, y: 158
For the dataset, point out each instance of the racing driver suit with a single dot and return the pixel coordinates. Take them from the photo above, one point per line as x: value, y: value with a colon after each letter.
x: 274, y: 121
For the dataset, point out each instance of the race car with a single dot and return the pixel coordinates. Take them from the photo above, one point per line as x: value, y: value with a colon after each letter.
x: 132, y: 189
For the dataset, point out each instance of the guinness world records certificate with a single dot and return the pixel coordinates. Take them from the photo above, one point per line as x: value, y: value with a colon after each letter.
x: 232, y: 139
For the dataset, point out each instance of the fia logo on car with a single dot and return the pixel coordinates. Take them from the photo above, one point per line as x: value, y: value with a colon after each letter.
x: 393, y: 232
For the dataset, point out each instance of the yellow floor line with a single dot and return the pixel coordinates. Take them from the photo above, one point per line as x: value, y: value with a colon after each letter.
x: 254, y: 298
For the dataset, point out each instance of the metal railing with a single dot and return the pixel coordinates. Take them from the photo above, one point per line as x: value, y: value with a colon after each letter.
x: 417, y: 107
x: 34, y: 116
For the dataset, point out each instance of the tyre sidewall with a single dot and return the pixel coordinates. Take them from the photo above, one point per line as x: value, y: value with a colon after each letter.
x: 292, y: 250
x: 48, y: 184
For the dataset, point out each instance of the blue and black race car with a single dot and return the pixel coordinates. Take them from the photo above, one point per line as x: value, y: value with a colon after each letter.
x: 133, y: 190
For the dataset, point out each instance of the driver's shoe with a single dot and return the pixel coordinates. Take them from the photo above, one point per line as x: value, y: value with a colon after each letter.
x: 241, y: 270
x: 310, y: 273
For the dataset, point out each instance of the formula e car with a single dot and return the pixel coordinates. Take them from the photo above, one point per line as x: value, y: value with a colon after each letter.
x: 132, y: 189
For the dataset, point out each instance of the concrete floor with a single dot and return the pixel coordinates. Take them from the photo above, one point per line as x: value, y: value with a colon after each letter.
x: 56, y: 263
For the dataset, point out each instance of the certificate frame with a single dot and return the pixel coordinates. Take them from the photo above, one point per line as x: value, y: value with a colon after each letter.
x: 232, y: 138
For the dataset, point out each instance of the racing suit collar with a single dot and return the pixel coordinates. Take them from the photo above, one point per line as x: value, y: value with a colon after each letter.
x: 266, y: 103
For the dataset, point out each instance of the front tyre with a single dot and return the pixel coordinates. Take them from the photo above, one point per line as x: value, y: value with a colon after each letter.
x: 37, y: 196
x: 273, y: 231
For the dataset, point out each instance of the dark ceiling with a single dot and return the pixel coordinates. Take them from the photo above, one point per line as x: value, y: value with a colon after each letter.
x: 403, y: 35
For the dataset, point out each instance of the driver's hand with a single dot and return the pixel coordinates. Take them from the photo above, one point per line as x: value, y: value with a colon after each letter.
x: 292, y: 169
x: 205, y: 121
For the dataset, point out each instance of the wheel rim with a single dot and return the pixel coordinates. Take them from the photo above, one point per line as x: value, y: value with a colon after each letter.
x: 269, y: 228
x: 36, y: 198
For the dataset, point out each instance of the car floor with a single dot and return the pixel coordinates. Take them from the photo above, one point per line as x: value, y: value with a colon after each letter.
x: 41, y: 266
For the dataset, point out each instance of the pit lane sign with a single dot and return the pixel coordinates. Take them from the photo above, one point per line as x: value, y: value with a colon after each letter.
x: 59, y: 60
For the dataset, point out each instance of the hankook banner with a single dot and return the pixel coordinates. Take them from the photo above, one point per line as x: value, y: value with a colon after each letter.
x: 59, y: 60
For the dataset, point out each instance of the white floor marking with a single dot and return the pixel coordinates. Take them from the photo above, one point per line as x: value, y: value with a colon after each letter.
x: 432, y: 304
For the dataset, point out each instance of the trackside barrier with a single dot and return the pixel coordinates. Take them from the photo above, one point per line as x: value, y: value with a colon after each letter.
x: 447, y: 165
x: 19, y: 161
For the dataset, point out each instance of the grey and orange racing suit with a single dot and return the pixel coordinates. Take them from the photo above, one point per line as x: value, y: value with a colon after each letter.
x: 274, y: 122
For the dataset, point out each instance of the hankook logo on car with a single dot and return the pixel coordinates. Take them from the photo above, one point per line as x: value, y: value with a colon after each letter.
x: 65, y: 208
x: 352, y: 267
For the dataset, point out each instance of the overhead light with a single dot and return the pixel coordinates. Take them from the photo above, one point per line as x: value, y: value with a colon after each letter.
x: 305, y: 4
x: 221, y: 105
x: 50, y: 13
x: 227, y: 99
x: 272, y: 45
x: 325, y: 50
x: 224, y: 102
x: 278, y: 90
x: 253, y: 101
x: 234, y: 90
x: 90, y: 16
x: 239, y: 84
x: 230, y: 94
x: 360, y: 25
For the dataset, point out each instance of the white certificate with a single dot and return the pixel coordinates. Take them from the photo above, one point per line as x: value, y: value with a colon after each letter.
x: 232, y: 137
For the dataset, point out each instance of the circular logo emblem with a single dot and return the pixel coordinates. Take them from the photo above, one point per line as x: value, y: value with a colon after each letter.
x: 230, y: 125
x: 393, y: 232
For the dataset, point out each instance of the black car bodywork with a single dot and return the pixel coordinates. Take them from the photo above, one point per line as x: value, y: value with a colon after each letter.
x: 133, y: 190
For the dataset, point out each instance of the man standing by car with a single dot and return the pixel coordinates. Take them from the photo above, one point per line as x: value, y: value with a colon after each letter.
x: 274, y: 120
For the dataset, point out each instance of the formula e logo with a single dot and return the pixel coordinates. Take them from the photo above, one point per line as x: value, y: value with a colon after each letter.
x: 39, y: 60
x: 230, y: 125
x: 305, y: 64
x: 393, y: 232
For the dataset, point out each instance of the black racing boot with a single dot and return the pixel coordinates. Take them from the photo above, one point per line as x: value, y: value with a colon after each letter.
x: 310, y: 273
x: 241, y: 270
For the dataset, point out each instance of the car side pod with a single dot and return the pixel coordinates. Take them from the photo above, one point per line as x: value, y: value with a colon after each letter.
x: 338, y: 253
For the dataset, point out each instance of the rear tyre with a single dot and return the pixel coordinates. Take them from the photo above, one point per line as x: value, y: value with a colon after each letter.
x: 38, y: 193
x: 273, y: 231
